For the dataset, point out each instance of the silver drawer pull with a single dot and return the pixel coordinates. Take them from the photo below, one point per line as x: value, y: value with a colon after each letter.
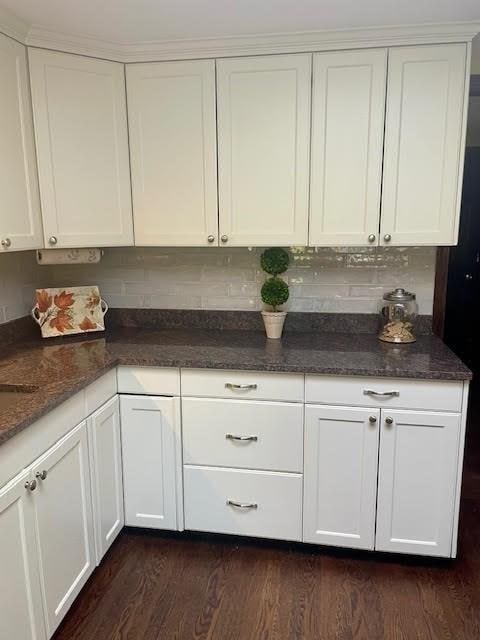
x: 381, y: 394
x: 231, y: 436
x: 240, y: 387
x: 242, y: 505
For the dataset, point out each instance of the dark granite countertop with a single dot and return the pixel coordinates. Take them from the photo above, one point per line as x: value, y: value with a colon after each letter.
x: 62, y: 367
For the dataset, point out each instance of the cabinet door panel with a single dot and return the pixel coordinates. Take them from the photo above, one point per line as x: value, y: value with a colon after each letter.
x: 347, y: 146
x: 21, y: 615
x: 79, y: 108
x: 171, y: 109
x: 150, y: 461
x: 423, y: 145
x: 340, y: 476
x: 106, y: 471
x: 63, y: 512
x: 20, y: 219
x: 416, y: 482
x: 263, y: 147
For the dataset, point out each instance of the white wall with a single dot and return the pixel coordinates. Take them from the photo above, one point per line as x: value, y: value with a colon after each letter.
x: 329, y: 280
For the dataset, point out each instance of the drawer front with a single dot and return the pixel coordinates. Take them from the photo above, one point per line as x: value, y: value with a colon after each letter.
x: 275, y: 499
x: 437, y: 395
x: 243, y: 434
x: 149, y: 381
x: 252, y: 385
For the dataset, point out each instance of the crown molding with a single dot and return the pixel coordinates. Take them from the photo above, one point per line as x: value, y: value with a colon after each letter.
x: 261, y: 44
x: 13, y: 26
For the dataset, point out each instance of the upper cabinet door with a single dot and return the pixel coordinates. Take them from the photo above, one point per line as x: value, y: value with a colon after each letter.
x: 171, y: 113
x: 20, y: 219
x: 80, y: 118
x: 347, y: 145
x: 263, y: 149
x: 424, y: 142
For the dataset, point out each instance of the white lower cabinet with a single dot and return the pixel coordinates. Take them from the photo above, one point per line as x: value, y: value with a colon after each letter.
x: 21, y: 615
x: 417, y: 482
x: 63, y: 512
x: 106, y: 474
x: 251, y: 503
x: 340, y: 476
x: 151, y: 461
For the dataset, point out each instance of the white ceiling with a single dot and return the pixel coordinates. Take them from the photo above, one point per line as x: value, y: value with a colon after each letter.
x: 136, y: 21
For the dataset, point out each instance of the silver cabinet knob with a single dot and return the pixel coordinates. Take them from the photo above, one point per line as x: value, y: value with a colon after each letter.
x: 41, y: 475
x: 372, y: 419
x: 371, y: 238
x: 211, y: 239
x: 52, y: 240
x: 224, y: 238
x: 387, y: 237
x: 31, y: 485
x: 6, y: 243
x: 389, y: 421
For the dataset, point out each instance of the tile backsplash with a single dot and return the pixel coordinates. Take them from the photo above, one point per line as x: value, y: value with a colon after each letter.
x: 19, y: 277
x: 326, y: 280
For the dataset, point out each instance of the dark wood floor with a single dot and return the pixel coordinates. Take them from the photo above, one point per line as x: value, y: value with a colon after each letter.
x: 160, y: 587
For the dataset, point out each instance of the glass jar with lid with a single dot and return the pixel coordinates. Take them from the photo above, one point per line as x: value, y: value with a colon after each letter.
x: 398, y: 311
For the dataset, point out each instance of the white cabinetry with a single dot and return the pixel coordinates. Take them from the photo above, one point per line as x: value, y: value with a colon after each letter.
x: 417, y: 482
x: 424, y: 142
x: 80, y: 118
x: 250, y: 503
x: 20, y: 220
x: 348, y: 105
x: 263, y: 149
x: 340, y: 476
x: 151, y: 461
x: 21, y: 614
x: 171, y: 117
x: 106, y: 474
x: 63, y: 511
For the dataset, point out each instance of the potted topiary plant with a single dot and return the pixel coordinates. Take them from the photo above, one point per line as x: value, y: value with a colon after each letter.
x: 274, y: 290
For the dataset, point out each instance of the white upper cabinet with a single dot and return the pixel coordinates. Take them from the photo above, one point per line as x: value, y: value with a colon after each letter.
x: 263, y: 149
x: 81, y: 133
x: 348, y: 106
x: 424, y: 142
x: 20, y: 219
x: 417, y: 478
x: 171, y: 114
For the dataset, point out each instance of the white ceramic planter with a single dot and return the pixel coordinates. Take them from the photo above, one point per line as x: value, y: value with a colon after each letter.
x: 274, y: 321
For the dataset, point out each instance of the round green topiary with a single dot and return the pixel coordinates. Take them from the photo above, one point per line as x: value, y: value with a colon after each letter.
x: 274, y: 261
x: 274, y: 292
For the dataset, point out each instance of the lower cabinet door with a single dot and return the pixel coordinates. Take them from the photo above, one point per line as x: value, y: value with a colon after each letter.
x: 416, y: 482
x: 151, y: 464
x: 21, y: 615
x: 340, y: 476
x: 106, y: 475
x: 248, y: 503
x: 63, y: 512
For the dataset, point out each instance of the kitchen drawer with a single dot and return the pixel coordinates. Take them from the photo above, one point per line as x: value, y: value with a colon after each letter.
x: 434, y: 395
x: 277, y: 496
x: 254, y: 385
x: 155, y: 381
x: 212, y: 430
